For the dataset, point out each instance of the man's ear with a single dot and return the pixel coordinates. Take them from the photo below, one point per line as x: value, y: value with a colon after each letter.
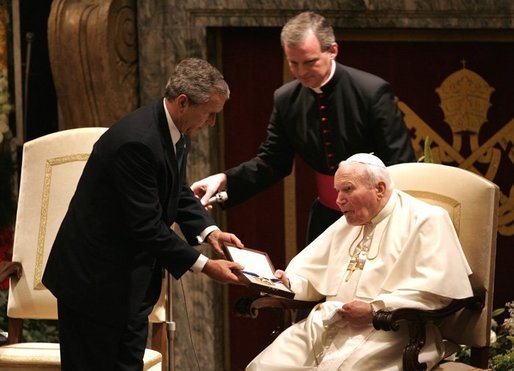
x: 381, y: 189
x: 182, y: 100
x: 333, y: 50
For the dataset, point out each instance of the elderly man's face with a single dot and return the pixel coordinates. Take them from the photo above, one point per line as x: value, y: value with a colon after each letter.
x: 356, y: 197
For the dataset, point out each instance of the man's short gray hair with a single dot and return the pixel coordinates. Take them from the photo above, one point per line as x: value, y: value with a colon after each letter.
x: 299, y: 27
x: 198, y: 80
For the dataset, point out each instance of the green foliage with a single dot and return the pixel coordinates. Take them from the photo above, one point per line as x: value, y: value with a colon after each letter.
x: 503, y: 362
x: 501, y: 352
x: 464, y: 355
x: 7, y: 156
x: 3, y: 310
x: 427, y: 151
x: 501, y: 356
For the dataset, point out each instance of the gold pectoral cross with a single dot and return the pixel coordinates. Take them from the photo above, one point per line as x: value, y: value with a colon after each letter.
x: 351, y: 268
x: 357, y: 262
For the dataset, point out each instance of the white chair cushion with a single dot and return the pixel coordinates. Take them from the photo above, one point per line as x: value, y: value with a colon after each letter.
x: 153, y: 360
x: 30, y: 356
x: 45, y: 356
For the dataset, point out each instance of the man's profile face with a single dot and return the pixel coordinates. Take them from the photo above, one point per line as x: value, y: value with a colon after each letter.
x: 308, y: 63
x: 195, y: 118
x: 356, y: 197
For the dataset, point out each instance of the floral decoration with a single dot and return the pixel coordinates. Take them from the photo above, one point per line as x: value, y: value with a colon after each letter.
x: 502, y: 347
x: 501, y: 353
x: 7, y: 157
x: 7, y: 171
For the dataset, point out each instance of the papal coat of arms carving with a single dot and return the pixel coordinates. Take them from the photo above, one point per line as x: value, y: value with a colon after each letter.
x: 465, y: 102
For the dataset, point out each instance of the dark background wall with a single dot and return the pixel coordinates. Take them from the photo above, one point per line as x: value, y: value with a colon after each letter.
x: 40, y: 102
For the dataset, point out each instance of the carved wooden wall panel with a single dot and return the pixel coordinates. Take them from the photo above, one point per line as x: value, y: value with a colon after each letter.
x: 93, y: 54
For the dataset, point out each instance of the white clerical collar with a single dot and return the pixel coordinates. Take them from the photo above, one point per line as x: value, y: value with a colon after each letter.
x: 175, y: 134
x: 332, y: 71
x: 387, y: 209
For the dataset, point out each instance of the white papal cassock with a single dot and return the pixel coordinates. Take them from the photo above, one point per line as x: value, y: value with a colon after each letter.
x: 414, y: 260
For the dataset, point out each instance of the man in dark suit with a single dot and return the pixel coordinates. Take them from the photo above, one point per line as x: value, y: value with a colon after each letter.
x: 328, y: 113
x: 105, y: 264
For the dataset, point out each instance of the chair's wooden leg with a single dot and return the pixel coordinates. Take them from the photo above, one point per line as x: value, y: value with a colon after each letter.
x: 14, y: 330
x: 411, y: 352
x: 480, y: 357
x: 158, y: 341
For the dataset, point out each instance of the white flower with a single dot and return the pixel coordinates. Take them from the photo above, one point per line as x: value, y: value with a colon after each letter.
x: 493, y: 337
x: 508, y: 323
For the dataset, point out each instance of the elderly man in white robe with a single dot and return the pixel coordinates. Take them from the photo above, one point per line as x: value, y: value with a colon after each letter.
x: 388, y: 250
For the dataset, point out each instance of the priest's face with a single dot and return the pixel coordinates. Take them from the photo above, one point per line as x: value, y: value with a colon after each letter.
x: 308, y: 63
x: 357, y: 197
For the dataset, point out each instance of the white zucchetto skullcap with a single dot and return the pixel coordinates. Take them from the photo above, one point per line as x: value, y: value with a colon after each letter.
x: 365, y: 158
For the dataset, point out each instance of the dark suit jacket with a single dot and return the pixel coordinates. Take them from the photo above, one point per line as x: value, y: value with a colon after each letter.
x: 363, y: 116
x: 107, y: 256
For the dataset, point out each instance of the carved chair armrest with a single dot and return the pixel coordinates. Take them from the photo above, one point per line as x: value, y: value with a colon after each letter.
x: 8, y: 269
x: 389, y: 320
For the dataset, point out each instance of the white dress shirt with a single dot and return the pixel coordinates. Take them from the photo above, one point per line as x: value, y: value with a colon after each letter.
x: 175, y: 136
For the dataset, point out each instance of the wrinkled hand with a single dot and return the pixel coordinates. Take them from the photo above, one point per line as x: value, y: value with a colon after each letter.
x: 281, y: 275
x: 205, y: 188
x: 357, y: 313
x: 223, y: 271
x: 218, y: 238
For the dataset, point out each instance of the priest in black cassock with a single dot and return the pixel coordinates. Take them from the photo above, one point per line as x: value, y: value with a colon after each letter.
x: 328, y: 113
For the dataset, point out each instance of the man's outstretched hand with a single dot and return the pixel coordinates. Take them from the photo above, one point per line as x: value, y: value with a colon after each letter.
x: 223, y: 271
x: 219, y: 238
x: 205, y: 188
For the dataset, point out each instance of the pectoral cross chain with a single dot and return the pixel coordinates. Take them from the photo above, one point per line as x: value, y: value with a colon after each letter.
x: 359, y: 255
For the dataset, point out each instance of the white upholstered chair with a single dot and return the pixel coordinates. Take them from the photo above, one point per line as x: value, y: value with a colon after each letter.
x: 51, y: 167
x: 472, y: 203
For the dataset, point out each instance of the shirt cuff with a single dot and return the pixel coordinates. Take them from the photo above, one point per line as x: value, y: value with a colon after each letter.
x: 377, y: 305
x: 205, y: 233
x: 197, y: 267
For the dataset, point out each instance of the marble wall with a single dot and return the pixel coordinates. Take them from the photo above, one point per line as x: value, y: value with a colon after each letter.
x: 169, y: 31
x: 172, y: 30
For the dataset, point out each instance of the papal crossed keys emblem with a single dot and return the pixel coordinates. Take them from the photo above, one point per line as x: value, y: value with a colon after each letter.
x: 465, y: 101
